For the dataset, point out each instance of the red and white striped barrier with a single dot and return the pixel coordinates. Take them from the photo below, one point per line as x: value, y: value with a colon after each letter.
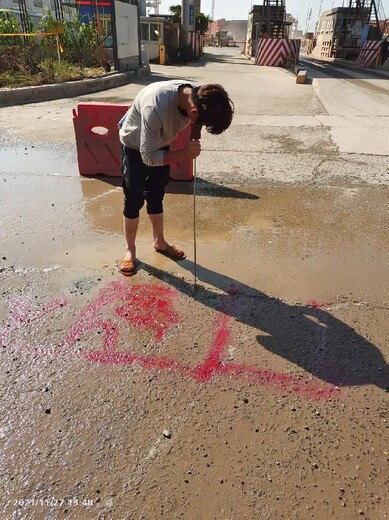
x: 277, y: 52
x: 196, y: 41
x: 368, y: 54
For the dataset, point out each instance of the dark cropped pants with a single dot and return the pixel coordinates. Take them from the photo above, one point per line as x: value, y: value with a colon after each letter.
x: 142, y: 183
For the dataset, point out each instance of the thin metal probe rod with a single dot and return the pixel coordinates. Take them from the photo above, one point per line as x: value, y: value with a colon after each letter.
x: 194, y: 223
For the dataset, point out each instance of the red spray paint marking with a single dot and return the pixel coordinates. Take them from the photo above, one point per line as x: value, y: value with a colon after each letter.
x: 282, y: 382
x: 278, y: 381
x: 314, y: 304
x: 21, y: 316
x: 87, y: 322
x: 149, y: 307
x: 213, y: 363
x: 214, y: 366
x: 125, y: 357
x: 146, y: 307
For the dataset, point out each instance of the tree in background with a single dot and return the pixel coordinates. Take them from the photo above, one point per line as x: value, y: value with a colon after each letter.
x: 202, y: 20
x: 176, y: 12
x: 202, y: 23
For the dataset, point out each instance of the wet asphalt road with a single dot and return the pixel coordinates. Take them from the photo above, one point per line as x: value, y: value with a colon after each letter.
x: 261, y: 393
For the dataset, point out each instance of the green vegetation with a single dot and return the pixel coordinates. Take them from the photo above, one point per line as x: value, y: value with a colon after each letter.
x: 45, y: 59
x: 202, y: 21
x: 72, y: 55
x: 8, y: 25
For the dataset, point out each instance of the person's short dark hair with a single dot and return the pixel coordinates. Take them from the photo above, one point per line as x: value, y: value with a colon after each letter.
x: 215, y: 107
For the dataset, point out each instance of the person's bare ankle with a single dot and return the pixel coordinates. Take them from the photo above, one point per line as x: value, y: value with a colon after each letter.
x: 160, y: 244
x: 130, y: 255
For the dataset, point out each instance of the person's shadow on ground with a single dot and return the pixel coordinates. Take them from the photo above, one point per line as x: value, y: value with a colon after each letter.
x: 307, y: 336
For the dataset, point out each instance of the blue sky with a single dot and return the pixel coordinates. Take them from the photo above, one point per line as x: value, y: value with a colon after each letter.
x: 238, y: 9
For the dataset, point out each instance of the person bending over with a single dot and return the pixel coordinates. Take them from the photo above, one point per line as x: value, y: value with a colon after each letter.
x: 159, y: 112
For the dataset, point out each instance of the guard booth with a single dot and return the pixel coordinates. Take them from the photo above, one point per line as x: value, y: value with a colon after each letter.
x: 152, y: 29
x: 159, y: 33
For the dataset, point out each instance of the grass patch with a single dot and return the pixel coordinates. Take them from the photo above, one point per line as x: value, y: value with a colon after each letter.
x: 49, y: 72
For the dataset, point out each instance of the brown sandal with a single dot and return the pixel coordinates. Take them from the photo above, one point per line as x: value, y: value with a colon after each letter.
x: 127, y: 266
x: 172, y: 252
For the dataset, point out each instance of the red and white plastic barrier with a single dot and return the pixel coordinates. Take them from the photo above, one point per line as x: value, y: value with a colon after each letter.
x: 98, y: 145
x: 97, y: 138
x: 183, y: 170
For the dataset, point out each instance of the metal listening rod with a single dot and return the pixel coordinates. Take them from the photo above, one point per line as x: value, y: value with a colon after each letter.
x: 195, y: 135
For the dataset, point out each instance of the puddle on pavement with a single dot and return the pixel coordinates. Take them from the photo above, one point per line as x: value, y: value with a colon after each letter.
x: 216, y: 213
x: 33, y: 159
x: 288, y: 238
x: 300, y: 242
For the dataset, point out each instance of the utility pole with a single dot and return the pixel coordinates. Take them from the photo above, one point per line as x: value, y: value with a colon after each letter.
x: 318, y: 16
x: 188, y: 14
x: 308, y: 19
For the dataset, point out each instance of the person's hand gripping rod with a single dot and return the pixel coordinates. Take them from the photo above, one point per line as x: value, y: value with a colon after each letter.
x: 195, y: 136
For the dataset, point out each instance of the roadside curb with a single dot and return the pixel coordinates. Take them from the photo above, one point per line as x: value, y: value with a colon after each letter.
x: 23, y: 95
x: 344, y: 64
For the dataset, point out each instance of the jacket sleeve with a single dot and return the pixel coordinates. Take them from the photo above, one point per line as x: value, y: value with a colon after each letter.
x: 150, y: 138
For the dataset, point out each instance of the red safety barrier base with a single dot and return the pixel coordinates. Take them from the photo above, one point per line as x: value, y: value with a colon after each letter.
x: 98, y: 145
x: 97, y: 138
x: 183, y: 170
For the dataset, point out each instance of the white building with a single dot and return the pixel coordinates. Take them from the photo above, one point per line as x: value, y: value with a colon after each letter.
x: 35, y: 8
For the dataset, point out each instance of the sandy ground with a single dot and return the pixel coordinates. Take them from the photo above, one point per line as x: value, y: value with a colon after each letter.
x: 259, y: 393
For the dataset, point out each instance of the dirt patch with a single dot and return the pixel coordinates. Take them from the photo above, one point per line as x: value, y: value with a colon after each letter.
x: 311, y: 142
